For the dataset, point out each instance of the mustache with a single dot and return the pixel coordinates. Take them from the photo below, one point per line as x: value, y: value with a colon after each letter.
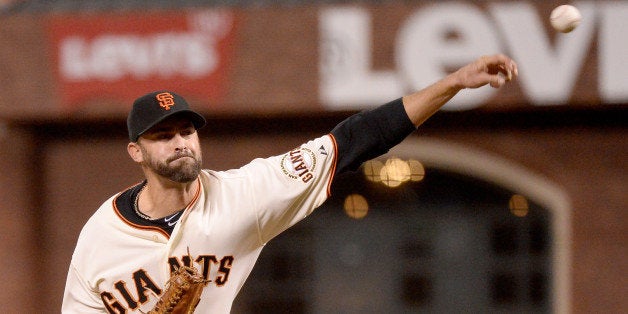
x: 181, y: 154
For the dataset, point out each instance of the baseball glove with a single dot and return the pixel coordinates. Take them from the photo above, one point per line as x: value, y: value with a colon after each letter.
x: 182, y: 293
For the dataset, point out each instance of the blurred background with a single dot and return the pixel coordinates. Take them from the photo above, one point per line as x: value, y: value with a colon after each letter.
x: 506, y: 201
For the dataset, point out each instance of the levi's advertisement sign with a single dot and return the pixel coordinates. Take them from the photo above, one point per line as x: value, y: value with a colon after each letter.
x: 338, y: 57
x: 585, y: 67
x: 114, y: 58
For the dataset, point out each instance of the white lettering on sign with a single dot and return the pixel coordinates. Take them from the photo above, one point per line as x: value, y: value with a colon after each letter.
x: 548, y: 73
x: 111, y: 57
x: 613, y: 51
x: 345, y: 60
x: 425, y: 51
x: 424, y: 54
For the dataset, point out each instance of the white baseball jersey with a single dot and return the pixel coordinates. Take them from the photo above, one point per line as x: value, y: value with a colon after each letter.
x: 121, y: 267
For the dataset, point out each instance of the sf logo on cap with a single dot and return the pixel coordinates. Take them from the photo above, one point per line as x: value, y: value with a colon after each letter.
x: 166, y: 100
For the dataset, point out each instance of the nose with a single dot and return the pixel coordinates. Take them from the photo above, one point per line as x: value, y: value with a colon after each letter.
x: 180, y: 143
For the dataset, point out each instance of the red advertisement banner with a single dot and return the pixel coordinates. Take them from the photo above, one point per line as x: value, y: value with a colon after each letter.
x: 113, y: 58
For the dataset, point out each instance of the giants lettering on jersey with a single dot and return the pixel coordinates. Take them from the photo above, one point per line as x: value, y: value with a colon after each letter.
x: 138, y: 292
x: 299, y: 163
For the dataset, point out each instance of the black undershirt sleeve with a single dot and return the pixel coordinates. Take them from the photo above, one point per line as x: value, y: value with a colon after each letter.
x: 369, y: 134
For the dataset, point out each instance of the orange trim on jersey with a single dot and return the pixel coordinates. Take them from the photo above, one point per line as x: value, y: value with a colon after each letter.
x: 333, y: 168
x: 194, y: 199
x: 134, y: 225
x: 153, y: 228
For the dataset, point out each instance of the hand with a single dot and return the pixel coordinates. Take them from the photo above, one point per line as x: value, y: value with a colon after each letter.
x: 494, y: 70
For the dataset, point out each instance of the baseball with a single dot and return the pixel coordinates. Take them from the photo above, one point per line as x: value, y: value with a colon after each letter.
x: 565, y: 18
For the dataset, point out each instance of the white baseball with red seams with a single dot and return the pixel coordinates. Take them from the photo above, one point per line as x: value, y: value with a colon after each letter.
x: 565, y: 18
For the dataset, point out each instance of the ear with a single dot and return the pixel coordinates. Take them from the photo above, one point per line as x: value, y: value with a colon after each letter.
x: 134, y: 150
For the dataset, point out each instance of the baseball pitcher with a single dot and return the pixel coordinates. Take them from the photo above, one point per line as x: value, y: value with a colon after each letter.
x: 185, y: 239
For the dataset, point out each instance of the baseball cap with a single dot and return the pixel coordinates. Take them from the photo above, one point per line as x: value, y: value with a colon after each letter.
x: 155, y: 107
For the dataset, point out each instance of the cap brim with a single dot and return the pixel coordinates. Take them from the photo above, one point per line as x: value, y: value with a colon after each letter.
x: 197, y: 120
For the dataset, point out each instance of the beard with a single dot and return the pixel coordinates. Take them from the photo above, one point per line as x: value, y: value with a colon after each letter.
x: 177, y: 167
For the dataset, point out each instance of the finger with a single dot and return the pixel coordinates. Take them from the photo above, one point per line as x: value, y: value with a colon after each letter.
x: 494, y: 80
x: 506, y: 71
x: 484, y: 78
x: 496, y: 59
x: 510, y: 66
x: 509, y: 74
x: 511, y: 70
x: 505, y: 65
x: 497, y: 81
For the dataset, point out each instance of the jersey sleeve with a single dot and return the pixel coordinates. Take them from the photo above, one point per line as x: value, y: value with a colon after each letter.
x: 286, y: 188
x: 78, y: 297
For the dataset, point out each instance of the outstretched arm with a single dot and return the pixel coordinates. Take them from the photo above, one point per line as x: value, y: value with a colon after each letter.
x: 494, y: 70
x: 369, y: 134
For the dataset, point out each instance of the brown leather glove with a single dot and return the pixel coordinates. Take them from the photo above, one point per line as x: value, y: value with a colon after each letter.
x: 183, y: 292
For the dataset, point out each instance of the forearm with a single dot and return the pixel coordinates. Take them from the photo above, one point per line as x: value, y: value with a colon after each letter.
x: 493, y: 70
x: 371, y: 133
x: 423, y: 104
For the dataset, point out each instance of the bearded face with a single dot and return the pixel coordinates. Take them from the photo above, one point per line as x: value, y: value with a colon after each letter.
x: 183, y: 166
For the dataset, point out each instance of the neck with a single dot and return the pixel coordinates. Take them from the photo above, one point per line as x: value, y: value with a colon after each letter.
x: 158, y: 200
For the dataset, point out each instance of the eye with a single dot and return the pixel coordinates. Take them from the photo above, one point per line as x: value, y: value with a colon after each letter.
x: 163, y: 136
x: 188, y: 131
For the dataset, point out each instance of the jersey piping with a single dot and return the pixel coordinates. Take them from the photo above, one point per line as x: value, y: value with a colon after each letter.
x: 122, y: 206
x: 333, y: 167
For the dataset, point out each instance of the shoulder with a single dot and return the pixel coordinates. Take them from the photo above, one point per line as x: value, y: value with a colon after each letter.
x: 315, y: 151
x: 110, y: 214
x: 104, y: 213
x: 302, y: 162
x: 94, y: 230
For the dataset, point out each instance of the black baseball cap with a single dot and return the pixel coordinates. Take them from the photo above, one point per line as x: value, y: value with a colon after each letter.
x: 155, y: 107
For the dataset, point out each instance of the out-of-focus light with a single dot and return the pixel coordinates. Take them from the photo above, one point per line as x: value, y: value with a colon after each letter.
x: 518, y: 205
x: 417, y: 171
x: 372, y: 170
x: 395, y: 172
x: 356, y: 206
